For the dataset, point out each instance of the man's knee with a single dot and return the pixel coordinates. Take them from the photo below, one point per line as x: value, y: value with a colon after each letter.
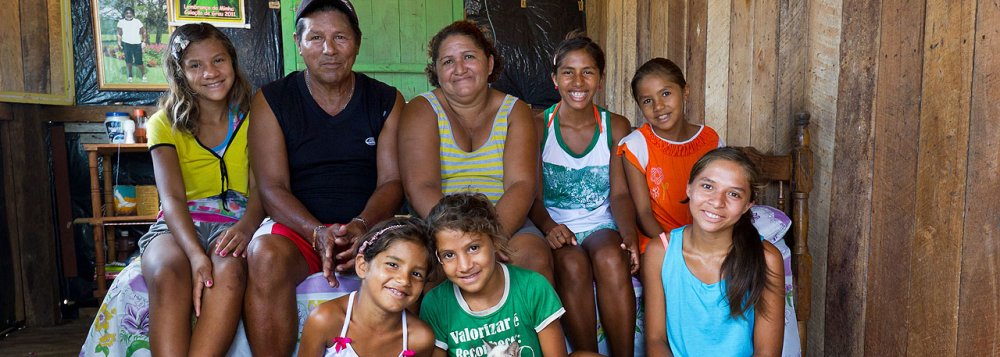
x: 273, y: 260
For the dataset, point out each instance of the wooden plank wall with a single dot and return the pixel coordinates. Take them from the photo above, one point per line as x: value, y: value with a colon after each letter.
x: 729, y: 52
x: 24, y: 156
x: 904, y: 213
x: 33, y: 58
x: 823, y: 43
x: 913, y: 232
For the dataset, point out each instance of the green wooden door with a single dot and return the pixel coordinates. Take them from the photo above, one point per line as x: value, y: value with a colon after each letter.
x: 394, y: 44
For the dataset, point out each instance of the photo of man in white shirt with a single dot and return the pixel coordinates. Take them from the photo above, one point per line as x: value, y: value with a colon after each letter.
x: 131, y: 39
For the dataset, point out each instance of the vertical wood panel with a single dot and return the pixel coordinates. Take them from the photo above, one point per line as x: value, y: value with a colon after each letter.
x: 35, y: 45
x: 29, y: 222
x: 659, y: 21
x: 622, y: 44
x: 697, y: 36
x: 740, y: 73
x: 596, y: 17
x: 764, y: 85
x: 7, y: 143
x: 941, y: 174
x: 58, y: 73
x: 821, y: 100
x: 717, y: 66
x: 386, y: 23
x: 978, y: 314
x: 897, y: 114
x: 676, y: 30
x: 644, y: 32
x: 413, y: 40
x: 11, y: 63
x: 368, y: 25
x: 792, y: 56
x: 851, y: 208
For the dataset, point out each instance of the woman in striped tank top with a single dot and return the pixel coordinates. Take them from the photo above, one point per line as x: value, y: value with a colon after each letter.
x: 466, y: 136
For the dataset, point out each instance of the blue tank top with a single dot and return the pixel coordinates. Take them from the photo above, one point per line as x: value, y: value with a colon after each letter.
x: 698, y: 321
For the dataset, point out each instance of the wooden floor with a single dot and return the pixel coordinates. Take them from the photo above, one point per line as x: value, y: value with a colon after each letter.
x: 61, y: 340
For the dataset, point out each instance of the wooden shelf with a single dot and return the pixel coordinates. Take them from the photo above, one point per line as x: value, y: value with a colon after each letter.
x: 104, y: 226
x: 113, y: 148
x: 117, y: 220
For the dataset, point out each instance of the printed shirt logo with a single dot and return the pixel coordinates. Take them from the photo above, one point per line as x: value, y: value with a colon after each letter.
x: 370, y: 141
x: 656, y: 176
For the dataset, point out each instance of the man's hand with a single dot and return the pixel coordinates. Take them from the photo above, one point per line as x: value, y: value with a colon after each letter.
x: 347, y: 239
x: 323, y: 243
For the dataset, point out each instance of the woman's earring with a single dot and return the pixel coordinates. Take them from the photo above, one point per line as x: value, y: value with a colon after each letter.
x: 557, y: 87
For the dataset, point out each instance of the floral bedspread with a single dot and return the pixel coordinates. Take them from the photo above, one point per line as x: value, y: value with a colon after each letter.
x: 121, y: 327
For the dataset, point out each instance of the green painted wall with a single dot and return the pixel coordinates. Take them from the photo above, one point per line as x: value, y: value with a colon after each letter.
x: 394, y: 44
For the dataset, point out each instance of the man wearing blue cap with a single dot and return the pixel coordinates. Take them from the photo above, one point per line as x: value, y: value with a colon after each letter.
x: 323, y: 151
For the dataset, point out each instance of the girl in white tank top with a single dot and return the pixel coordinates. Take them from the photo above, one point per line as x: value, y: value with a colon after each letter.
x: 393, y: 261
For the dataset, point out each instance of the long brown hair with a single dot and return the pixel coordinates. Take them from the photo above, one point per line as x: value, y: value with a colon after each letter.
x: 179, y: 102
x: 744, y: 269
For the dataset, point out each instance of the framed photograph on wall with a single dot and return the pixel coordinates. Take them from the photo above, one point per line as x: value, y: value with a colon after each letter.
x: 130, y: 36
x: 221, y: 13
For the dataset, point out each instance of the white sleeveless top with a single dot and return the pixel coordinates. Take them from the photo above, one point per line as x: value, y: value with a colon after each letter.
x: 577, y: 188
x: 347, y: 350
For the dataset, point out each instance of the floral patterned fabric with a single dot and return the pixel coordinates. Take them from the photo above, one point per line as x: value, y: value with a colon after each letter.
x: 121, y: 327
x: 772, y: 224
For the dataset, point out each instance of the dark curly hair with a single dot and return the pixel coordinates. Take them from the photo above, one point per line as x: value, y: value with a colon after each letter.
x: 468, y: 212
x: 472, y: 31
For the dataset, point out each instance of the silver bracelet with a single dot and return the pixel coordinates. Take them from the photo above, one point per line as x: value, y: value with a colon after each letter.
x: 362, y: 221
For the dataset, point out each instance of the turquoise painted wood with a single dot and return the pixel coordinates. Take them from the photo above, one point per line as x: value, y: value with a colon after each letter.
x: 394, y: 41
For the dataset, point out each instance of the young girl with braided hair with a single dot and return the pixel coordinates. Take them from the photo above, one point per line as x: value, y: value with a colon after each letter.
x: 393, y: 261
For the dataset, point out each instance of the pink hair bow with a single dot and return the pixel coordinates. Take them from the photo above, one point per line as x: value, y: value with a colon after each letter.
x: 340, y: 343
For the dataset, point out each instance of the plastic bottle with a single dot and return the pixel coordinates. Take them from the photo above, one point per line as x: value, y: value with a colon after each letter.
x: 140, y: 125
x: 128, y: 126
x: 113, y: 124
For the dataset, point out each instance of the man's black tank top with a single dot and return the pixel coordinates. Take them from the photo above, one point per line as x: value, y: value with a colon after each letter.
x: 331, y: 159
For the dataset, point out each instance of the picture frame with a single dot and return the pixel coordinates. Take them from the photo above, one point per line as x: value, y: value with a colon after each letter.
x: 220, y: 13
x: 130, y: 47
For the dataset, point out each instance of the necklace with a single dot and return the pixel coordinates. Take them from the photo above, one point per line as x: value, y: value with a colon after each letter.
x: 350, y: 93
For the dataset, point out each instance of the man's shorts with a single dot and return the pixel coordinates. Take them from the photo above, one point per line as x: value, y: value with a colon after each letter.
x: 133, y: 53
x: 304, y: 245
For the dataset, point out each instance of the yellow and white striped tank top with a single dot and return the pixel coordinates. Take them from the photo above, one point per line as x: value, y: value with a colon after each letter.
x: 480, y: 170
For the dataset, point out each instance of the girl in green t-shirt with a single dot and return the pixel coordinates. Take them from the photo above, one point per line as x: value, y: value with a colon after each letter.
x: 485, y: 306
